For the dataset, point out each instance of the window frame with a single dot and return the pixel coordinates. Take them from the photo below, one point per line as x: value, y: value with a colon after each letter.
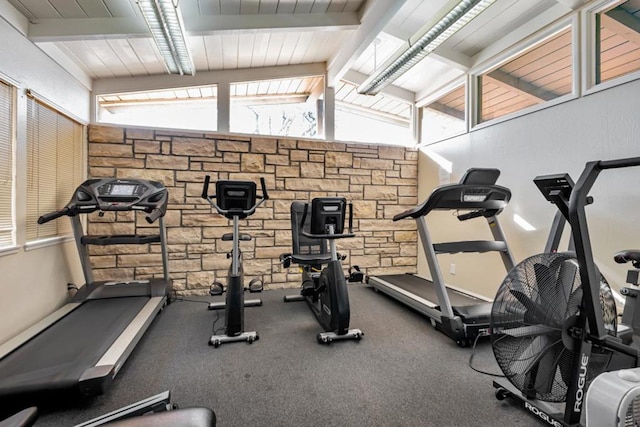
x: 590, y: 44
x: 516, y: 50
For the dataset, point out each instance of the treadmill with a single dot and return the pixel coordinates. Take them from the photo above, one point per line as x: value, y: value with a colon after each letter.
x: 77, y: 351
x: 460, y: 316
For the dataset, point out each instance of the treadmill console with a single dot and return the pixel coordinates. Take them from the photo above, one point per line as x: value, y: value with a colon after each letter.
x: 119, y: 191
x: 113, y: 194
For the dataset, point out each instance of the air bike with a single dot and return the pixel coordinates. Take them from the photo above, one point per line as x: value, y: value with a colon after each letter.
x: 553, y: 322
x: 324, y: 289
x: 235, y: 200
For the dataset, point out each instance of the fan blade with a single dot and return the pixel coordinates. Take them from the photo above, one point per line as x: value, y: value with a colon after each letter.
x: 564, y: 285
x: 546, y: 367
x: 527, y: 358
x: 538, y: 363
x: 554, y: 290
x: 534, y: 312
x: 527, y: 331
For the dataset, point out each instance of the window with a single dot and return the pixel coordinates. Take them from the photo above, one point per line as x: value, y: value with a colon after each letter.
x: 189, y: 108
x: 542, y: 73
x: 54, y: 167
x: 618, y: 41
x: 286, y: 107
x: 7, y: 228
x: 444, y: 117
x: 371, y: 119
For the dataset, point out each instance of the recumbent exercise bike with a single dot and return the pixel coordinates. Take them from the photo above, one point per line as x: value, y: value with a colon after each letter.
x: 235, y: 200
x: 324, y: 289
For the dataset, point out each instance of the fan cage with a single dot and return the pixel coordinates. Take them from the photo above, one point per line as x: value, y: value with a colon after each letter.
x: 534, y: 306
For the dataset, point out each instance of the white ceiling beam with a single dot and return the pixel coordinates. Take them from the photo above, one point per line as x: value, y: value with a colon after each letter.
x: 357, y: 78
x: 92, y: 28
x: 13, y: 16
x: 171, y: 81
x: 375, y: 17
x: 457, y: 60
x: 573, y: 4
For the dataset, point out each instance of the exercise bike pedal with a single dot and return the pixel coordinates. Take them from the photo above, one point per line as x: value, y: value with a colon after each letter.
x: 356, y: 275
x: 285, y: 260
x: 255, y: 285
x: 216, y: 289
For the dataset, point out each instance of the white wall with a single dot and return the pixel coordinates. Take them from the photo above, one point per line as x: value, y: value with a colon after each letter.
x: 33, y: 283
x: 603, y: 125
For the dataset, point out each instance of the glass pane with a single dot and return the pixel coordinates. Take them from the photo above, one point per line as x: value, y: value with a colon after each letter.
x: 371, y: 119
x: 188, y: 108
x: 444, y: 117
x: 542, y: 73
x: 618, y: 41
x: 286, y: 107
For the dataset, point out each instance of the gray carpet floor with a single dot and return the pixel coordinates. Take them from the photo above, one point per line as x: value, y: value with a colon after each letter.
x: 402, y: 373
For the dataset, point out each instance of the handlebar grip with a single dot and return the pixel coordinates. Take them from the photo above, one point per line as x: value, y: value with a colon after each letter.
x: 474, y: 214
x: 205, y: 188
x: 155, y: 214
x: 52, y: 215
x: 265, y: 195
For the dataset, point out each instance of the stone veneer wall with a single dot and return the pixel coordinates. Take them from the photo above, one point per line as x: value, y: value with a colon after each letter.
x: 380, y: 181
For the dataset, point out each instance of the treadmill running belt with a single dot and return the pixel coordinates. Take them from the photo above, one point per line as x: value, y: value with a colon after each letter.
x: 425, y: 289
x: 57, y: 357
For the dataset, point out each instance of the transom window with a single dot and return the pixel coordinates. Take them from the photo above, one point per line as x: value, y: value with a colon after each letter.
x: 541, y: 73
x: 618, y: 41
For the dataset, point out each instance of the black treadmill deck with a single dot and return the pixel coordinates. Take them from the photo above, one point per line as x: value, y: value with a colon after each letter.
x: 54, y: 360
x: 471, y: 309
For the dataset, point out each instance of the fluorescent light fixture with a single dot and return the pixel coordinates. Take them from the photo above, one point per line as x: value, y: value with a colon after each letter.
x: 453, y: 21
x: 522, y: 223
x: 441, y: 161
x: 165, y: 24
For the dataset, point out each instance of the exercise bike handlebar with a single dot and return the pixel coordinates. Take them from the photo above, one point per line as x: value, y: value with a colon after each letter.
x: 246, y: 212
x: 327, y: 236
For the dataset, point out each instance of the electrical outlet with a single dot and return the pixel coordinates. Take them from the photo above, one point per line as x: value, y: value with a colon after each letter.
x: 452, y: 269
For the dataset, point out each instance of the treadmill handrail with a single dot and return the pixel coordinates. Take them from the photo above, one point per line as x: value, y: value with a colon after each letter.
x: 450, y: 197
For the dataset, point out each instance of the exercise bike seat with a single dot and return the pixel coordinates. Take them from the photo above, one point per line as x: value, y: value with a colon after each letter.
x: 310, y: 259
x: 629, y: 255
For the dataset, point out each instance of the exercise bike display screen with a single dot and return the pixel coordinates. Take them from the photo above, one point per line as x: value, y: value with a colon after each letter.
x: 122, y: 190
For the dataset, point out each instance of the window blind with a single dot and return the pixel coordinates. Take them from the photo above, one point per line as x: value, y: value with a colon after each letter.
x: 7, y: 228
x: 54, y: 167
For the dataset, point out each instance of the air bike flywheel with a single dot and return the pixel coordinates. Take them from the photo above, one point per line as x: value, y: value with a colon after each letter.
x: 532, y: 314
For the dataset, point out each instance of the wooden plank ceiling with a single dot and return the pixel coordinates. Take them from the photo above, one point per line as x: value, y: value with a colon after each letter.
x: 107, y: 39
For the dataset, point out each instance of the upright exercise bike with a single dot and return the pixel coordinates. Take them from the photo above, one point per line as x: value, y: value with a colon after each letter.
x: 324, y: 289
x: 235, y: 200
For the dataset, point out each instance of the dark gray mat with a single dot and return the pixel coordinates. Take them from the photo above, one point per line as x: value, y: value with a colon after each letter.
x: 402, y: 373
